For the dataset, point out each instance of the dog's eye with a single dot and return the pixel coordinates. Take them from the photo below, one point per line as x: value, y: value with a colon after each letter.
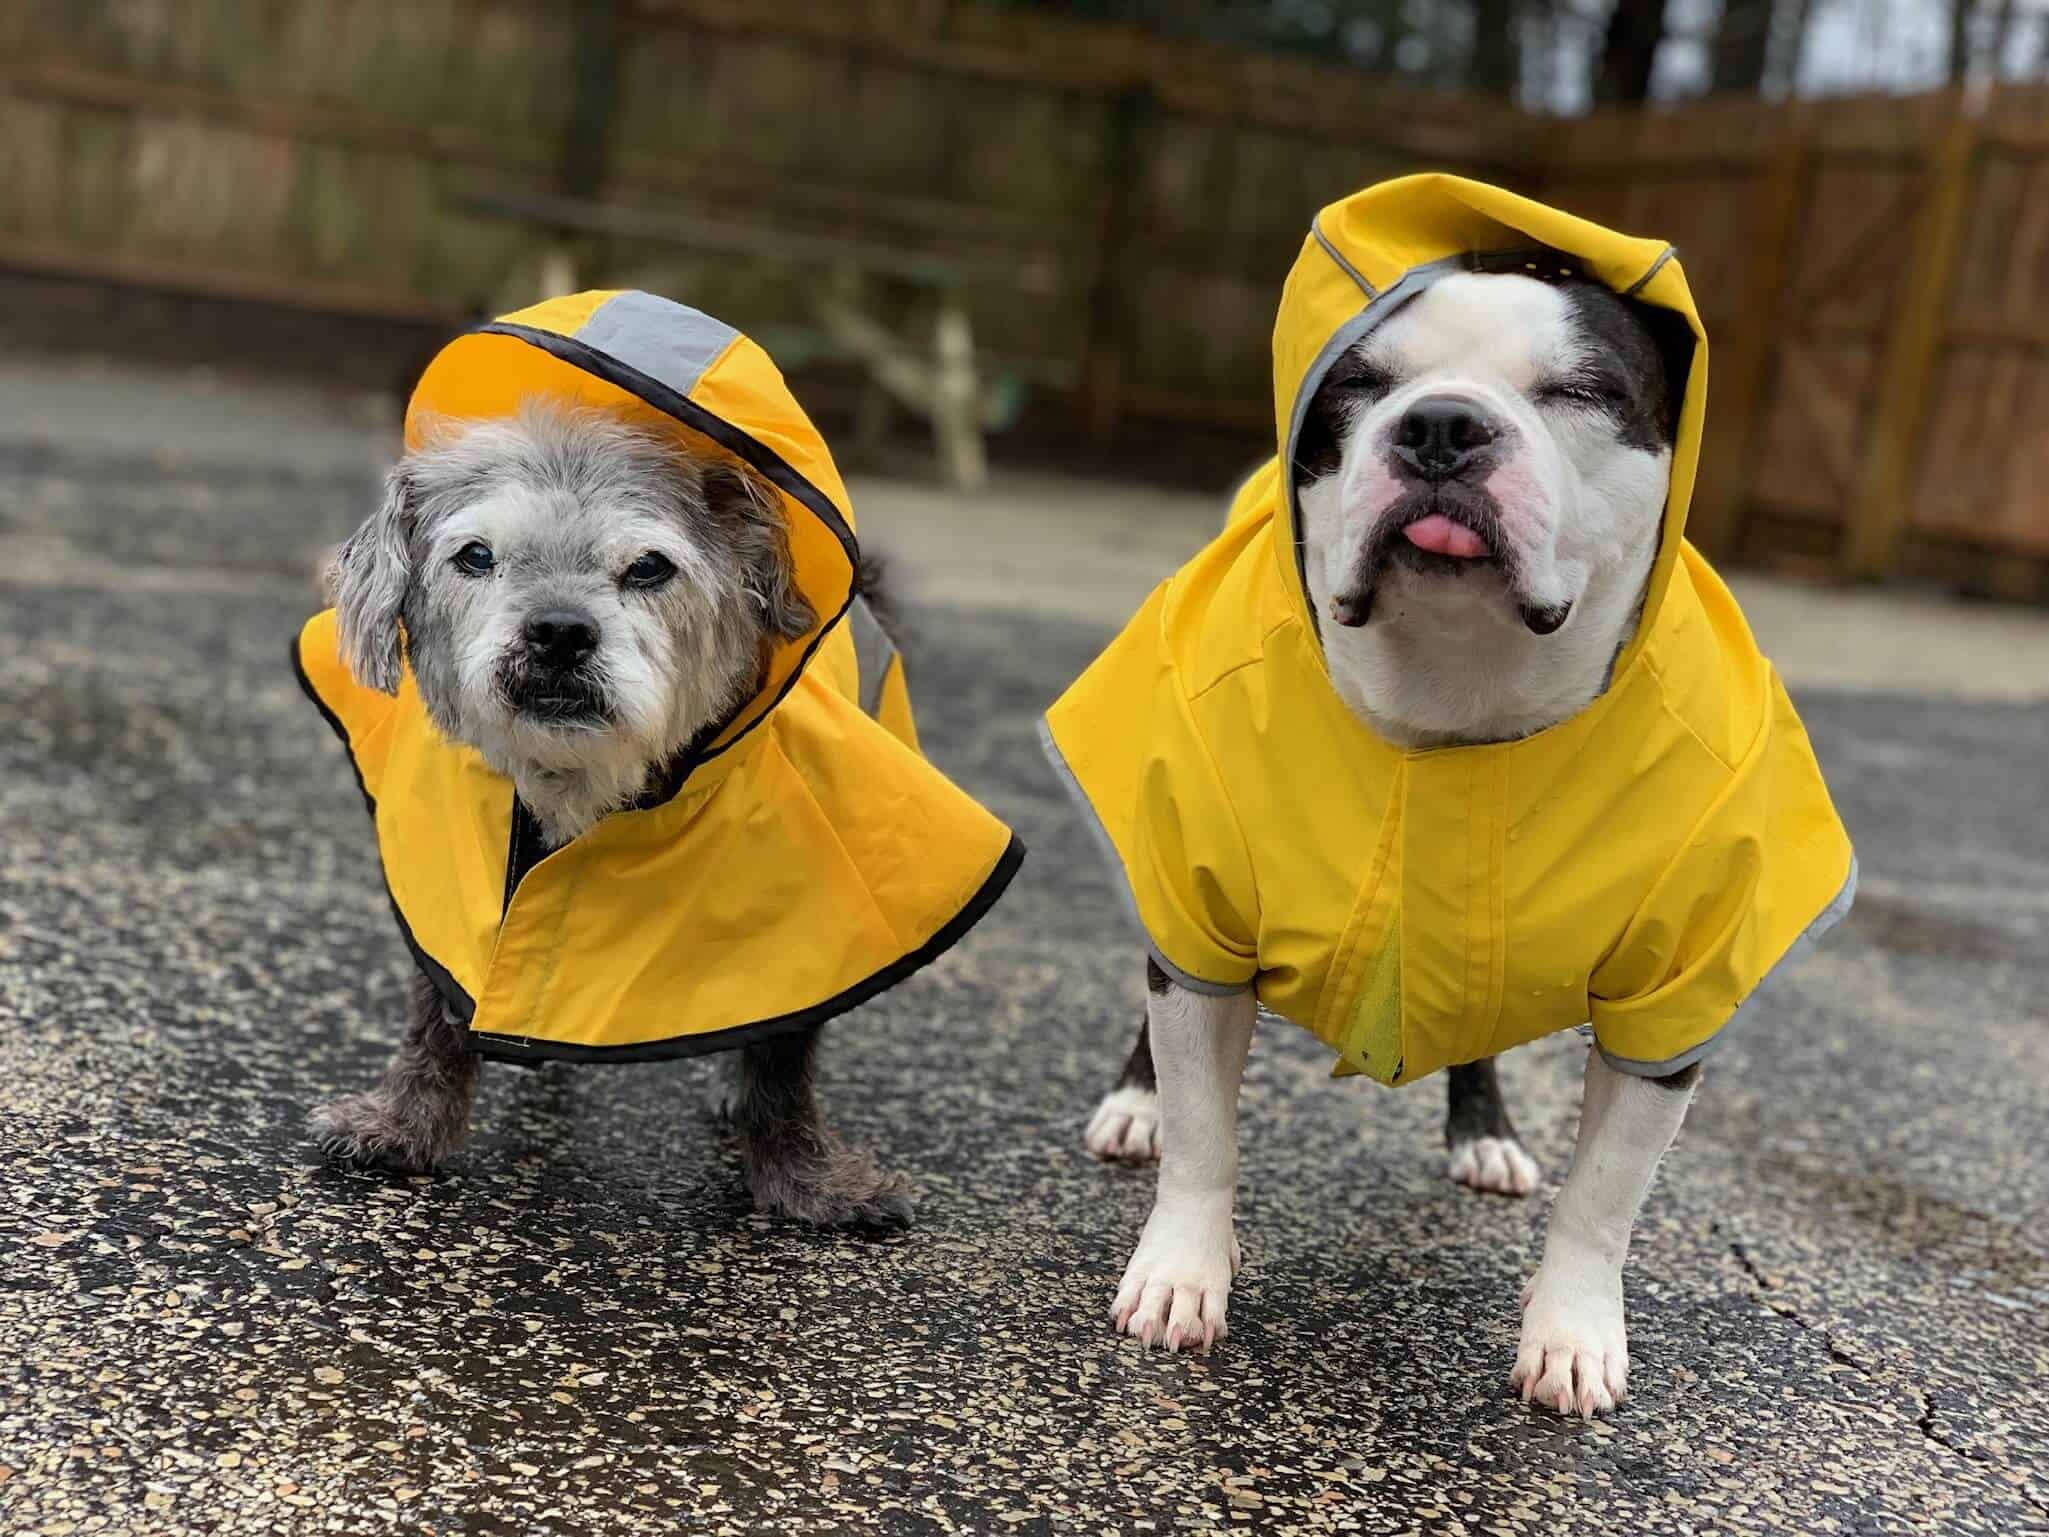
x: 649, y: 572
x: 1360, y: 380
x: 475, y: 559
x: 1596, y: 390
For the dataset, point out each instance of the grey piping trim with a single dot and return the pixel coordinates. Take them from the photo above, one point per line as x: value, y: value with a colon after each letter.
x: 1825, y: 920
x: 1108, y: 849
x: 1637, y: 287
x: 1350, y: 271
x: 873, y: 652
x: 664, y: 340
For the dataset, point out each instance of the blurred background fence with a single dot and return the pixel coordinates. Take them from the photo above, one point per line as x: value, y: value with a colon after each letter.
x: 1114, y: 208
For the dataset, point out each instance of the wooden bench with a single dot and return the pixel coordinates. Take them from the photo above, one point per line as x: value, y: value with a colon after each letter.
x: 944, y: 380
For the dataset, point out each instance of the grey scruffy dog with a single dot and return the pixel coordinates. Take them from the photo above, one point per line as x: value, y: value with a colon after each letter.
x: 579, y: 600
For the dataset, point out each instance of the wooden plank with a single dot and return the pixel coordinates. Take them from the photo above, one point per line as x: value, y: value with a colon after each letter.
x: 50, y: 258
x: 60, y: 81
x: 1742, y: 373
x: 584, y: 216
x: 1878, y: 514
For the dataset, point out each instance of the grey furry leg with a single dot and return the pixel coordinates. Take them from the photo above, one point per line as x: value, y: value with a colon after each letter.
x: 795, y: 1166
x: 1484, y: 1151
x: 420, y: 1110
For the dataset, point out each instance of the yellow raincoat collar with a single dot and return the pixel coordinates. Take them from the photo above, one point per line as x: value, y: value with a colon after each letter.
x: 799, y: 859
x: 1640, y: 866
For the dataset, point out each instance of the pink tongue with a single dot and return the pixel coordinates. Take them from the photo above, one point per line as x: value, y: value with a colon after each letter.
x: 1440, y: 536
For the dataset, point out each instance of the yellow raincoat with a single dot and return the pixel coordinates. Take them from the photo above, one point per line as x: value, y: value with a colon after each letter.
x: 1640, y: 866
x: 801, y: 861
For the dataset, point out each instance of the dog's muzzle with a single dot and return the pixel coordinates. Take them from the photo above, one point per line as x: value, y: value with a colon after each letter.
x: 548, y: 677
x: 1442, y: 450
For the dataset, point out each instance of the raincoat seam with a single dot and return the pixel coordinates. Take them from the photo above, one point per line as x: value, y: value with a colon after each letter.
x: 1655, y: 268
x: 839, y: 845
x: 1236, y: 667
x: 1230, y: 803
x: 1665, y: 704
x: 1337, y: 256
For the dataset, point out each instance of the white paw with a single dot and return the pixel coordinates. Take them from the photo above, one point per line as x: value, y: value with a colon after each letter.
x: 1498, y: 1164
x: 1177, y: 1289
x: 1126, y: 1127
x: 1574, y: 1355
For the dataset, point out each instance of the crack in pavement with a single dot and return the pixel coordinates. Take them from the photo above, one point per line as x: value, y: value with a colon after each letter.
x: 1924, y: 1421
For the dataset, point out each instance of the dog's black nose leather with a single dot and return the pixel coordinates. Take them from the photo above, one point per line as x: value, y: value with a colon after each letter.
x: 1440, y: 437
x: 560, y: 637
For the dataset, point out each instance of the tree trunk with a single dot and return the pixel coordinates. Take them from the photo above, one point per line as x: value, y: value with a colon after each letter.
x: 1629, y: 49
x: 1959, y: 40
x: 1495, y: 66
x: 1792, y: 46
x: 1742, y: 46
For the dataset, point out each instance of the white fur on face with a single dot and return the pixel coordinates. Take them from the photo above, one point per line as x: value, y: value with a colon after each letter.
x: 565, y: 502
x: 557, y: 551
x: 1447, y: 657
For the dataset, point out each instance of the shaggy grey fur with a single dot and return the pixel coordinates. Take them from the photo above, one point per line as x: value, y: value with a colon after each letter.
x: 485, y: 529
x: 795, y: 1165
x: 420, y: 1111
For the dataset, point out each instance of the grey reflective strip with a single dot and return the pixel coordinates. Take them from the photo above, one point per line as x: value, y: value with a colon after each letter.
x: 1638, y: 286
x: 1316, y: 229
x: 667, y: 341
x: 1118, y: 879
x: 873, y: 652
x: 1827, y: 919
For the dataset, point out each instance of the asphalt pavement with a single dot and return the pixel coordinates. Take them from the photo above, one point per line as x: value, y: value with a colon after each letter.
x: 1837, y: 1293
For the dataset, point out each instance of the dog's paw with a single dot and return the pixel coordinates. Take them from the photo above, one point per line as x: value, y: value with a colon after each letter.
x: 1177, y: 1289
x: 833, y: 1187
x: 1496, y: 1164
x: 1574, y: 1355
x: 1126, y: 1127
x: 366, y: 1131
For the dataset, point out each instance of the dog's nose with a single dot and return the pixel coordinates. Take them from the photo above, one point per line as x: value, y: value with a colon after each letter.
x: 560, y: 637
x: 1441, y: 436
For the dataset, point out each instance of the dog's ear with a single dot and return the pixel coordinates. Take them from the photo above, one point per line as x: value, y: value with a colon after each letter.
x: 370, y: 576
x: 755, y: 511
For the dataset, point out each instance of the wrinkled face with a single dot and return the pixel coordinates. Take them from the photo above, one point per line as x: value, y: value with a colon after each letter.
x: 570, y: 587
x: 1500, y: 444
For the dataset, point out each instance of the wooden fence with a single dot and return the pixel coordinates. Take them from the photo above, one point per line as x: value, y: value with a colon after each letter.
x: 1875, y: 278
x: 1872, y: 271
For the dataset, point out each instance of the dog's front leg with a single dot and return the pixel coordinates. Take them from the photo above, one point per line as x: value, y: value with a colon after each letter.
x: 1177, y: 1288
x: 796, y: 1167
x: 420, y: 1110
x: 1574, y: 1354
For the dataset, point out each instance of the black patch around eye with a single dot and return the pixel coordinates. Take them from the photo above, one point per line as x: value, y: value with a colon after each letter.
x: 1587, y: 389
x: 1351, y: 384
x: 1634, y: 343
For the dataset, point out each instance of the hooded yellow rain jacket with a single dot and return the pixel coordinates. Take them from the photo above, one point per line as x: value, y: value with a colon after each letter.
x: 799, y: 862
x: 1640, y: 866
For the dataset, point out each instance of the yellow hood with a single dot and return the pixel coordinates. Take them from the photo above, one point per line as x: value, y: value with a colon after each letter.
x: 1641, y: 865
x: 800, y: 860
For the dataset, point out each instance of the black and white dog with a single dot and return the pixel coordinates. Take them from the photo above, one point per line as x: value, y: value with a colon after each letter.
x: 1442, y: 630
